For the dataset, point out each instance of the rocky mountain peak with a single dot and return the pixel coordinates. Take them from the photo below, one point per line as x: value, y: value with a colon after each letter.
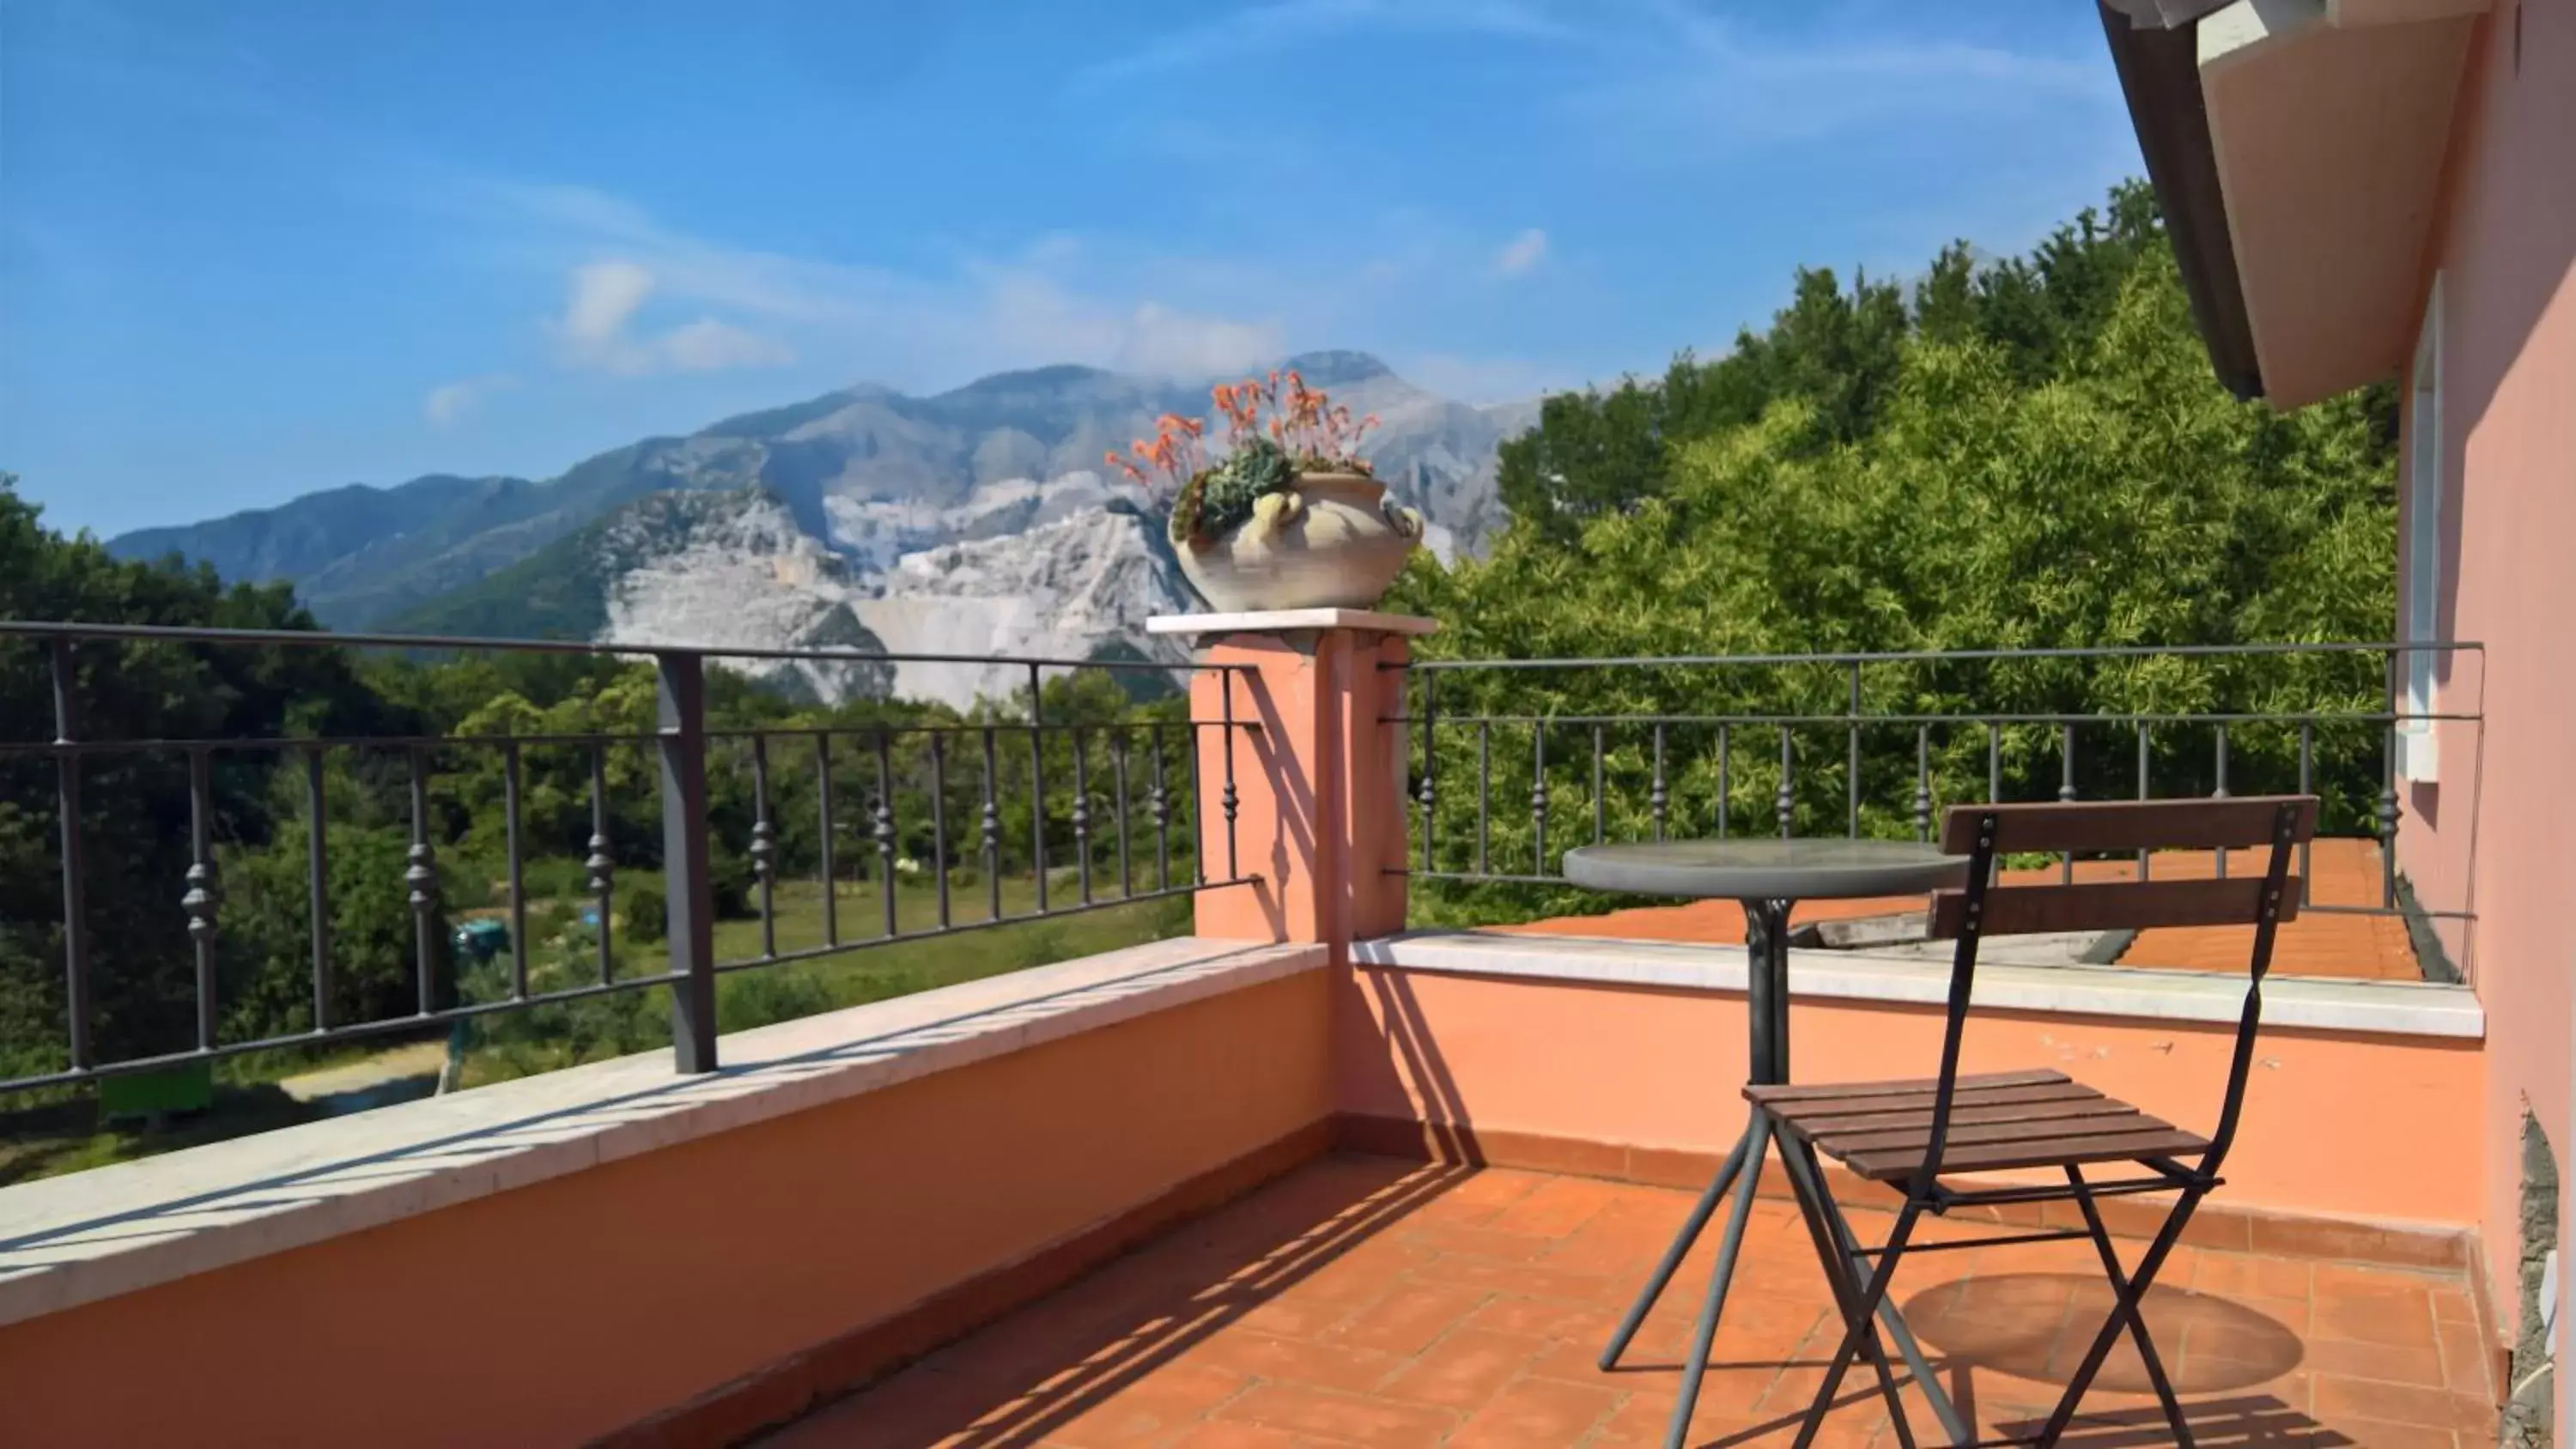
x: 1338, y: 367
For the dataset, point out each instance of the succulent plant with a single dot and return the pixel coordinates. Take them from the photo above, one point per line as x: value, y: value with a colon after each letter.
x: 1220, y: 499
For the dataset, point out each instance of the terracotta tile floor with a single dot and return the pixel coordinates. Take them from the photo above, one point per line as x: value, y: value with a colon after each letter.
x: 1362, y: 1301
x: 2342, y: 872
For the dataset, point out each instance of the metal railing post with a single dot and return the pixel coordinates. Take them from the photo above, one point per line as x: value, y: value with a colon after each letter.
x: 689, y: 890
x: 67, y: 798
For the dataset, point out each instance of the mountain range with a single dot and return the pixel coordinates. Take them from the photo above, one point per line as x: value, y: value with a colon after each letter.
x: 972, y: 521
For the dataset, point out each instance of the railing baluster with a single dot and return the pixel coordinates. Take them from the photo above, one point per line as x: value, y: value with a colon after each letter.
x: 2307, y: 786
x: 1922, y: 782
x: 1159, y: 804
x: 1538, y: 794
x: 1037, y: 785
x: 826, y: 867
x: 1598, y: 805
x: 317, y: 879
x: 1082, y: 809
x: 884, y: 829
x: 1430, y: 760
x: 939, y: 818
x: 199, y: 901
x: 67, y: 805
x: 1118, y: 764
x: 2066, y: 789
x: 1198, y: 808
x: 1225, y: 682
x: 992, y: 831
x: 1725, y: 778
x: 2146, y: 867
x: 764, y: 847
x: 2221, y: 792
x: 603, y: 869
x: 420, y: 879
x: 2386, y: 818
x: 1657, y: 797
x: 1785, y: 803
x: 515, y: 847
x: 1994, y: 762
x: 1853, y: 829
x: 1484, y: 796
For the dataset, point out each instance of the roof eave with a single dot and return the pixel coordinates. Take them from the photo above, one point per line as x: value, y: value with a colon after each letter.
x: 2160, y: 78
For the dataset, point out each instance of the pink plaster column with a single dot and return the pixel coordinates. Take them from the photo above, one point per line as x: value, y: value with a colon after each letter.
x: 1318, y: 776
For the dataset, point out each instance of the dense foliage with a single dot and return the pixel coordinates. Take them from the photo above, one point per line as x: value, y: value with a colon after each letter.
x: 2028, y: 454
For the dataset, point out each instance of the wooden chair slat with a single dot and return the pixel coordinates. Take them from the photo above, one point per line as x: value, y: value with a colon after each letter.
x: 2126, y: 825
x: 1884, y: 1104
x: 2112, y: 906
x: 2038, y: 1133
x: 1896, y: 1163
x: 2091, y: 1104
x: 1776, y: 1094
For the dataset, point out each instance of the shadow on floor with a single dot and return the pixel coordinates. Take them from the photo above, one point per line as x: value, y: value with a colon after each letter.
x: 1028, y: 1376
x: 2257, y: 1421
x: 2037, y: 1326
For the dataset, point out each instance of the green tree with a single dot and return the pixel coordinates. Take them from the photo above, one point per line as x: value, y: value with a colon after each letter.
x: 134, y: 819
x: 2122, y: 498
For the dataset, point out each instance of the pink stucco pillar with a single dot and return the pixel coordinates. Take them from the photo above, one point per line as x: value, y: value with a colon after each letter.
x: 1317, y: 772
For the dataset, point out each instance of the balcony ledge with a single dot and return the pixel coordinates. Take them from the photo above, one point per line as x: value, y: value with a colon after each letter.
x: 2393, y: 1008
x: 92, y: 1235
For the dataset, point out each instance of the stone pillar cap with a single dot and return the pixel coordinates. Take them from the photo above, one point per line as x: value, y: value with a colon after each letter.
x: 1281, y: 621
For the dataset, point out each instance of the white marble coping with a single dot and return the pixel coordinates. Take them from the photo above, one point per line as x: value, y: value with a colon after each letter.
x: 1280, y: 621
x: 2394, y: 1008
x: 66, y: 1241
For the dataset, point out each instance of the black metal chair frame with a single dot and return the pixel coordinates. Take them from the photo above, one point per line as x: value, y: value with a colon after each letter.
x: 1861, y: 1301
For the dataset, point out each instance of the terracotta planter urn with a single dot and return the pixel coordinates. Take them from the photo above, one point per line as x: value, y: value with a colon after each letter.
x: 1338, y: 542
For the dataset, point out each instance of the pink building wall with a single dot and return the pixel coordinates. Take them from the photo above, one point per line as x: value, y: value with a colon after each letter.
x: 2504, y: 247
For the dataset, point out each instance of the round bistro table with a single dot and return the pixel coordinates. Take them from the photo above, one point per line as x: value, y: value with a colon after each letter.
x: 1769, y: 877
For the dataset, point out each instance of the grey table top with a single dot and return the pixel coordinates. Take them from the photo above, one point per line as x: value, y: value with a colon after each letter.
x: 1792, y: 870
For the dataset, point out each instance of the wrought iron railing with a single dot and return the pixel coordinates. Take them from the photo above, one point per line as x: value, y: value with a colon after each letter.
x: 1078, y: 781
x: 1713, y: 745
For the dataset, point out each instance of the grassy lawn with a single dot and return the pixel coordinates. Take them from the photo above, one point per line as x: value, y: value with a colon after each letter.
x: 65, y: 1134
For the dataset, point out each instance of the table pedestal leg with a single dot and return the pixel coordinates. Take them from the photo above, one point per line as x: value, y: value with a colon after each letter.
x: 1766, y: 934
x: 1691, y: 1229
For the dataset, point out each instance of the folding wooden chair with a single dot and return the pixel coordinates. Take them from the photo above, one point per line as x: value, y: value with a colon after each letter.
x: 1908, y: 1134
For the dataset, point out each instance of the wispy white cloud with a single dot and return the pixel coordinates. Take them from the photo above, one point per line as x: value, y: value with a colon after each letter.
x: 1060, y: 297
x: 606, y: 295
x: 1521, y: 253
x: 449, y: 402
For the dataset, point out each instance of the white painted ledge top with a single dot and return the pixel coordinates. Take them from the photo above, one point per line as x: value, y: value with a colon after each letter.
x: 1282, y: 621
x: 2394, y: 1008
x: 65, y: 1241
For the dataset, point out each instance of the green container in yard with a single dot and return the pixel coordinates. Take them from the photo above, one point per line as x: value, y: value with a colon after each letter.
x: 189, y: 1088
x: 482, y: 940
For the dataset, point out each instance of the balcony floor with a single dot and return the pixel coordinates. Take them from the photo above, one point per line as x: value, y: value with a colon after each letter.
x: 1363, y: 1301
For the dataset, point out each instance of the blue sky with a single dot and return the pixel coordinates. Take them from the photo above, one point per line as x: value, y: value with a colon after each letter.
x: 254, y: 249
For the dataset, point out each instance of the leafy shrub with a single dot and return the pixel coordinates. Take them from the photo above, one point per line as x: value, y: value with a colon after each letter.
x: 642, y: 913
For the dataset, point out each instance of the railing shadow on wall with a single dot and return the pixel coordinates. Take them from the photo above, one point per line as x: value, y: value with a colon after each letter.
x: 1082, y: 813
x: 1876, y: 744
